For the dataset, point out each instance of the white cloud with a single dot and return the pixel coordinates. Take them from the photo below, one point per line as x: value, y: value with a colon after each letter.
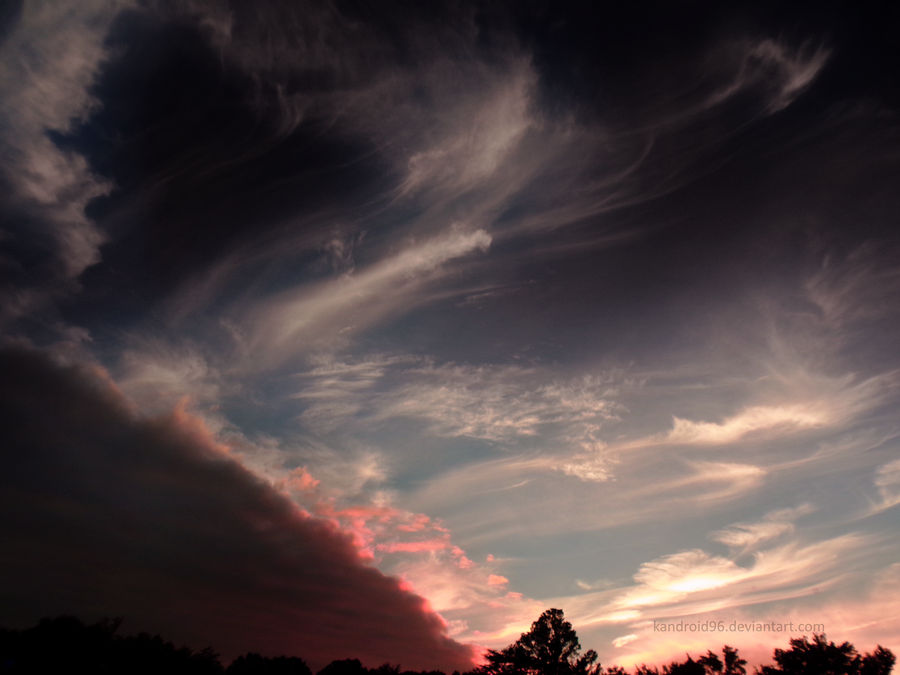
x: 706, y: 481
x: 476, y: 138
x: 796, y: 400
x: 501, y: 403
x: 794, y: 69
x: 775, y: 524
x: 687, y: 582
x: 313, y: 316
x: 748, y: 421
x: 694, y: 582
x: 507, y: 405
x: 623, y: 640
x: 887, y: 480
x: 782, y: 71
x: 742, y: 536
x: 157, y: 376
x: 861, y: 284
x: 47, y: 64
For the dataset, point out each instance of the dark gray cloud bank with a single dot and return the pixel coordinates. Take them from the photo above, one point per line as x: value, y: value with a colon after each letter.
x: 112, y: 514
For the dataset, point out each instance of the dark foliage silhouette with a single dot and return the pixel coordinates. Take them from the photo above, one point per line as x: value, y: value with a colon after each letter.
x: 687, y: 667
x: 551, y: 647
x: 344, y: 667
x: 254, y: 664
x: 820, y: 657
x: 734, y: 664
x: 65, y: 644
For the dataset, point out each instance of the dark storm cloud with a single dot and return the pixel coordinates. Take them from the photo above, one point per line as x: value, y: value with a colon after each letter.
x: 111, y: 514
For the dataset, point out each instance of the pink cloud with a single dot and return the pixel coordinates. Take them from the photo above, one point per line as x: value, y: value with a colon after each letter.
x: 419, y: 522
x: 497, y: 580
x: 301, y: 480
x: 414, y: 546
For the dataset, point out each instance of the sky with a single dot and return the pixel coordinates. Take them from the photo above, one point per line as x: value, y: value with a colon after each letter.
x: 347, y: 329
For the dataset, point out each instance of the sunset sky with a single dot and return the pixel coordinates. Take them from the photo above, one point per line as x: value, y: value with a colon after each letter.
x: 373, y: 329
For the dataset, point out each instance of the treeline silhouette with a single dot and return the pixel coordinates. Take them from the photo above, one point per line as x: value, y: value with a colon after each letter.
x: 551, y: 647
x: 66, y: 645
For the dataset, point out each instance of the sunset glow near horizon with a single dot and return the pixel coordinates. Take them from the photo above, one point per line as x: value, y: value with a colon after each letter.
x: 347, y: 329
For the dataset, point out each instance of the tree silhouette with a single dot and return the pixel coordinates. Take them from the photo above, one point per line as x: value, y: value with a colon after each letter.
x: 254, y: 664
x: 66, y: 645
x: 344, y: 667
x: 734, y: 664
x: 688, y: 667
x: 711, y: 662
x: 819, y: 657
x: 644, y: 669
x: 551, y: 647
x: 730, y: 663
x: 879, y: 662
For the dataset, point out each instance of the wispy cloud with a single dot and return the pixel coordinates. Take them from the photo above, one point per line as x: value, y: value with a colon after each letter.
x: 887, y: 480
x: 781, y: 71
x: 500, y: 403
x: 302, y: 319
x: 748, y: 421
x: 775, y: 524
x: 694, y: 581
x: 493, y: 403
x: 474, y: 143
x: 754, y: 627
x: 855, y: 286
x: 48, y: 61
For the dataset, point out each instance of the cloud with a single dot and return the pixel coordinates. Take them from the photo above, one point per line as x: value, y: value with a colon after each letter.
x: 794, y: 399
x: 748, y: 421
x: 694, y: 583
x: 506, y: 405
x: 48, y: 61
x: 707, y: 482
x: 779, y: 72
x: 746, y: 536
x: 624, y: 640
x: 887, y: 480
x: 795, y: 68
x: 756, y: 628
x: 499, y: 403
x: 301, y: 319
x: 476, y: 148
x: 157, y: 375
x: 152, y: 519
x: 855, y: 286
x: 760, y: 422
x: 426, y: 546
